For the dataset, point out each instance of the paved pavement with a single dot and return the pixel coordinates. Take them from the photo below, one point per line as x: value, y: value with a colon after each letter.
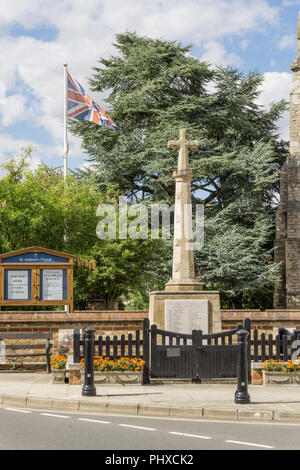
x: 196, y: 401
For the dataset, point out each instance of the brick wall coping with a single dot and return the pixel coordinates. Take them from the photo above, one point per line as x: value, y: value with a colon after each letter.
x: 294, y: 309
x: 137, y: 315
x: 267, y: 315
x: 77, y: 316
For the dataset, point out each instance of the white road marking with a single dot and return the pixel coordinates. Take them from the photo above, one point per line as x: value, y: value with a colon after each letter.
x: 18, y: 411
x: 190, y: 435
x: 54, y: 416
x: 250, y: 444
x: 94, y: 421
x: 145, y: 428
x: 137, y: 427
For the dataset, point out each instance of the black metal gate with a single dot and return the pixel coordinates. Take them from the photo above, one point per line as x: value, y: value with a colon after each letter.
x: 216, y: 361
x: 194, y: 356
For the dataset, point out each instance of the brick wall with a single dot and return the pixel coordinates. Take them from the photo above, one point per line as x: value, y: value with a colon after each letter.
x: 268, y: 321
x: 106, y: 323
x: 116, y: 322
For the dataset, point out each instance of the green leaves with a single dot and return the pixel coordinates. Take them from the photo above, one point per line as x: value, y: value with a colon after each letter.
x: 38, y: 208
x: 154, y: 88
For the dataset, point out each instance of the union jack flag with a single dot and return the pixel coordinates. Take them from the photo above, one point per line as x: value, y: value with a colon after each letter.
x: 81, y: 106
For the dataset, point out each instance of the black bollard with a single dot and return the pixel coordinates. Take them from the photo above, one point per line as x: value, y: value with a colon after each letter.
x: 89, y: 389
x: 242, y: 396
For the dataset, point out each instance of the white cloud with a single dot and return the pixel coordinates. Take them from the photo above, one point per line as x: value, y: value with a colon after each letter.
x: 288, y: 41
x: 75, y: 150
x: 277, y: 86
x: 215, y: 53
x: 15, y: 109
x: 85, y: 31
x: 244, y: 44
x: 90, y: 18
x: 288, y: 3
x: 86, y: 166
x: 34, y: 162
x: 12, y: 148
x: 9, y: 146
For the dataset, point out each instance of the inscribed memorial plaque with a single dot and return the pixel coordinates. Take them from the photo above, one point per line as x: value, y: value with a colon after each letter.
x: 173, y: 352
x: 184, y: 316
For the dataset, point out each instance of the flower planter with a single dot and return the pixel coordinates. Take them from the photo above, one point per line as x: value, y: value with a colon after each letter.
x: 58, y: 368
x: 116, y: 377
x: 58, y: 376
x: 281, y: 378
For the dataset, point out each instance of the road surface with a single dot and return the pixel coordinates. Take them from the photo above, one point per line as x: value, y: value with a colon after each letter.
x: 25, y: 429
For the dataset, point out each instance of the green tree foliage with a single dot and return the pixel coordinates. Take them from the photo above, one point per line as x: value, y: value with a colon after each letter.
x: 38, y: 209
x: 154, y: 88
x: 126, y: 269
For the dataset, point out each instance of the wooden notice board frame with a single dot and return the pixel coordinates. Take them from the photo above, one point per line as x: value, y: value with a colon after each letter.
x: 33, y: 261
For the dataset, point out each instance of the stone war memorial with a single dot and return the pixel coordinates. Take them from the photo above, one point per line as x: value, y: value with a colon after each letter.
x: 184, y: 306
x: 150, y: 228
x: 184, y: 334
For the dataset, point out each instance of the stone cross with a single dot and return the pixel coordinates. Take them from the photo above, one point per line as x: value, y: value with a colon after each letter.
x: 183, y: 144
x: 183, y: 274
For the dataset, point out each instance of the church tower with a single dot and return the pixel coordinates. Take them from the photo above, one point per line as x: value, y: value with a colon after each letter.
x: 287, y: 244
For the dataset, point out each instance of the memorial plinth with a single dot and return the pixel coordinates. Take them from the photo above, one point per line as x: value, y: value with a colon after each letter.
x: 158, y: 308
x: 180, y: 306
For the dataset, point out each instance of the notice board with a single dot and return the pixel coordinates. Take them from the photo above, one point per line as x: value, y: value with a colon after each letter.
x: 36, y: 276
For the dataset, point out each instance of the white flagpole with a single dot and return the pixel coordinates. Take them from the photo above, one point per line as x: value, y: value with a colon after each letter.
x: 66, y: 144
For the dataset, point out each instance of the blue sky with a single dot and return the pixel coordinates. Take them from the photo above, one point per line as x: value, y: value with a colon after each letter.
x: 38, y: 36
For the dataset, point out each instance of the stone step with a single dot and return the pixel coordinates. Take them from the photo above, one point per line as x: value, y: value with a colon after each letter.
x: 189, y: 381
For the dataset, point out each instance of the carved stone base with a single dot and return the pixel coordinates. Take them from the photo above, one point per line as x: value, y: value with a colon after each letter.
x: 157, y: 313
x: 183, y: 285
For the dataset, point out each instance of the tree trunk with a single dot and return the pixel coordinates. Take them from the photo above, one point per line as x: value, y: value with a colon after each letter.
x: 109, y: 302
x: 237, y: 301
